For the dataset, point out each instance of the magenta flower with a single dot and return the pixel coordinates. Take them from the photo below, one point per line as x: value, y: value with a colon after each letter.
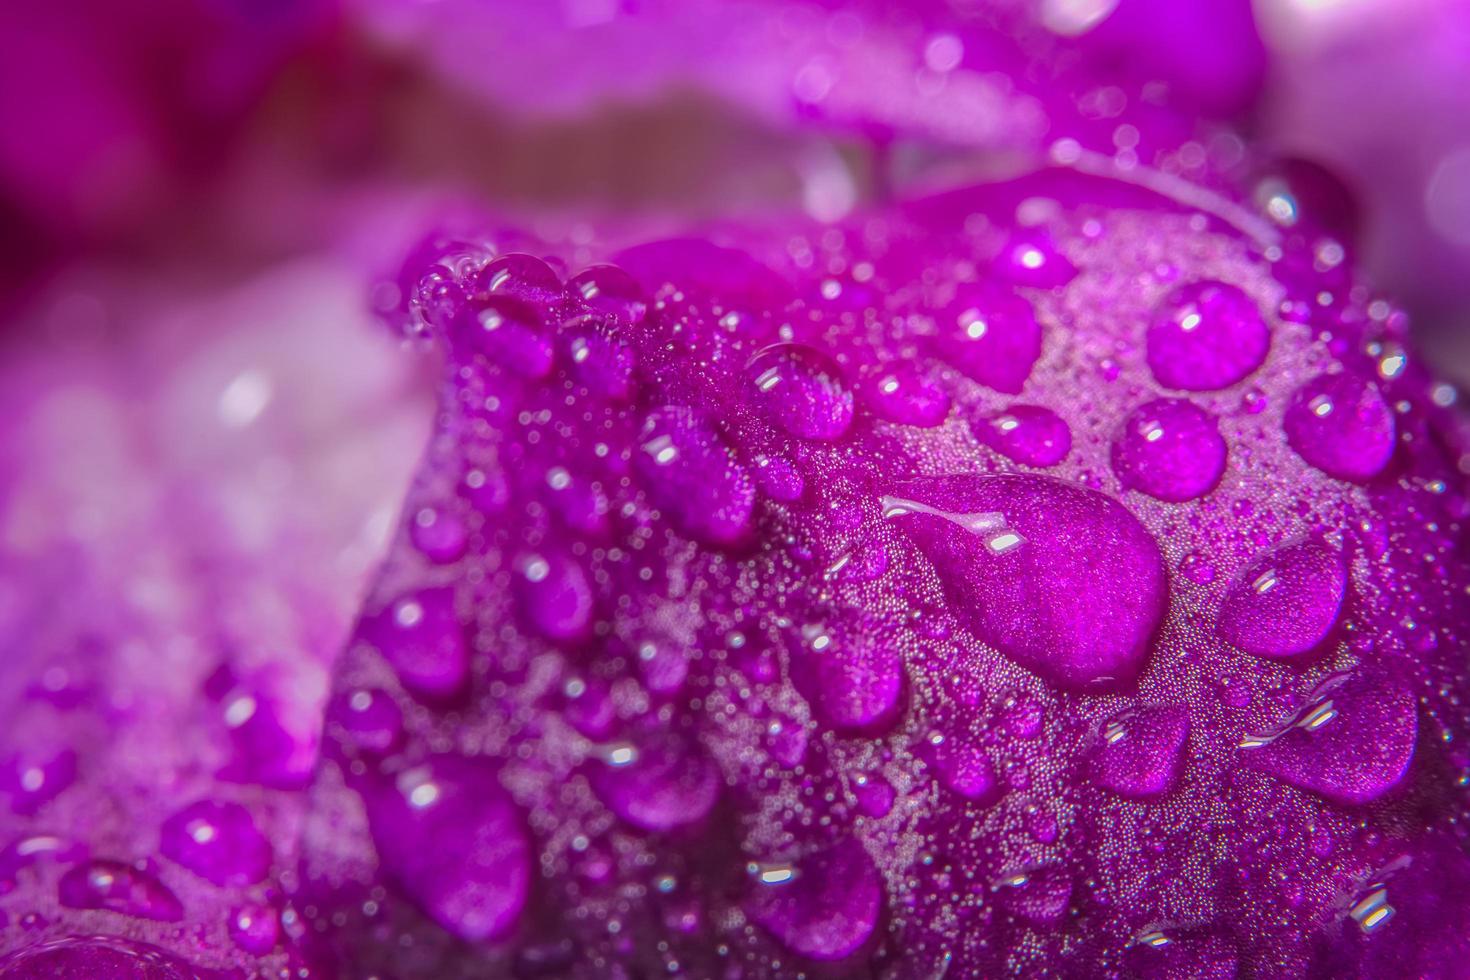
x: 1060, y: 573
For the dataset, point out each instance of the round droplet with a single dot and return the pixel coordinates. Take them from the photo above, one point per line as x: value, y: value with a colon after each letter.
x: 522, y: 276
x: 600, y: 357
x: 1284, y: 603
x: 420, y: 636
x: 1039, y: 895
x: 801, y: 390
x: 1138, y: 752
x: 1351, y: 743
x: 118, y: 887
x: 850, y: 672
x: 37, y: 773
x: 612, y: 292
x: 1031, y: 258
x: 1060, y: 579
x: 963, y: 767
x: 991, y: 336
x: 1340, y: 424
x: 694, y: 477
x: 1029, y: 434
x: 1170, y: 449
x: 1206, y: 336
x: 448, y: 835
x: 437, y: 297
x: 439, y: 534
x: 555, y: 594
x: 369, y: 719
x: 659, y: 784
x: 902, y: 394
x: 255, y: 928
x: 779, y: 478
x: 875, y: 795
x: 97, y: 958
x: 32, y: 849
x: 218, y: 841
x: 507, y: 333
x: 824, y: 906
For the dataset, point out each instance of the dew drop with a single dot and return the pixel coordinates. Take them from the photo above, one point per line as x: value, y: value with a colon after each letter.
x: 1061, y: 579
x: 902, y: 394
x: 448, y: 835
x: 1351, y: 743
x: 420, y: 636
x: 1029, y: 434
x: 1284, y: 603
x: 96, y: 958
x: 800, y: 389
x: 554, y: 594
x: 991, y: 336
x: 118, y: 887
x: 1206, y: 336
x: 1170, y: 449
x: 218, y: 841
x: 823, y: 907
x: 1138, y: 752
x: 507, y: 333
x: 522, y: 276
x: 600, y: 357
x: 609, y: 290
x: 663, y: 783
x: 1340, y: 424
x: 694, y: 477
x: 850, y: 672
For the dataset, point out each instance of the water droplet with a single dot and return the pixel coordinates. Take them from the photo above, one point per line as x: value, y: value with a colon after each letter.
x: 1206, y: 336
x: 1029, y: 434
x: 1340, y: 424
x: 663, y: 783
x: 694, y: 477
x: 1031, y: 258
x: 37, y: 773
x: 1061, y: 579
x: 850, y: 672
x: 522, y: 276
x: 454, y: 842
x: 97, y: 957
x: 1138, y: 752
x: 439, y: 534
x: 800, y: 389
x: 507, y: 333
x: 420, y: 636
x: 369, y: 719
x: 555, y: 594
x: 824, y: 906
x: 255, y: 928
x: 612, y: 292
x: 1196, y: 952
x: 118, y: 887
x: 218, y: 841
x: 902, y: 394
x: 875, y: 795
x: 963, y: 768
x: 1039, y: 895
x: 1170, y: 449
x: 991, y: 336
x: 1352, y: 742
x: 1284, y: 603
x: 600, y: 357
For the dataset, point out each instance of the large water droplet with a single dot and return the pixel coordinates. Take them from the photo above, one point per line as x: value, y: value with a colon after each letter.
x: 824, y: 906
x: 98, y: 958
x: 990, y: 335
x: 1206, y: 336
x: 1340, y: 424
x: 369, y: 719
x: 420, y: 636
x: 218, y: 841
x: 1170, y: 449
x: 118, y: 887
x: 555, y: 594
x: 507, y: 333
x: 454, y: 842
x: 850, y: 673
x: 801, y: 390
x: 1030, y: 257
x: 963, y: 767
x: 522, y: 276
x: 600, y: 356
x: 1352, y: 742
x: 694, y: 477
x: 1029, y: 434
x: 612, y: 292
x: 1138, y: 752
x: 1061, y: 579
x: 1040, y: 895
x: 900, y: 393
x: 658, y: 784
x: 1284, y: 603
